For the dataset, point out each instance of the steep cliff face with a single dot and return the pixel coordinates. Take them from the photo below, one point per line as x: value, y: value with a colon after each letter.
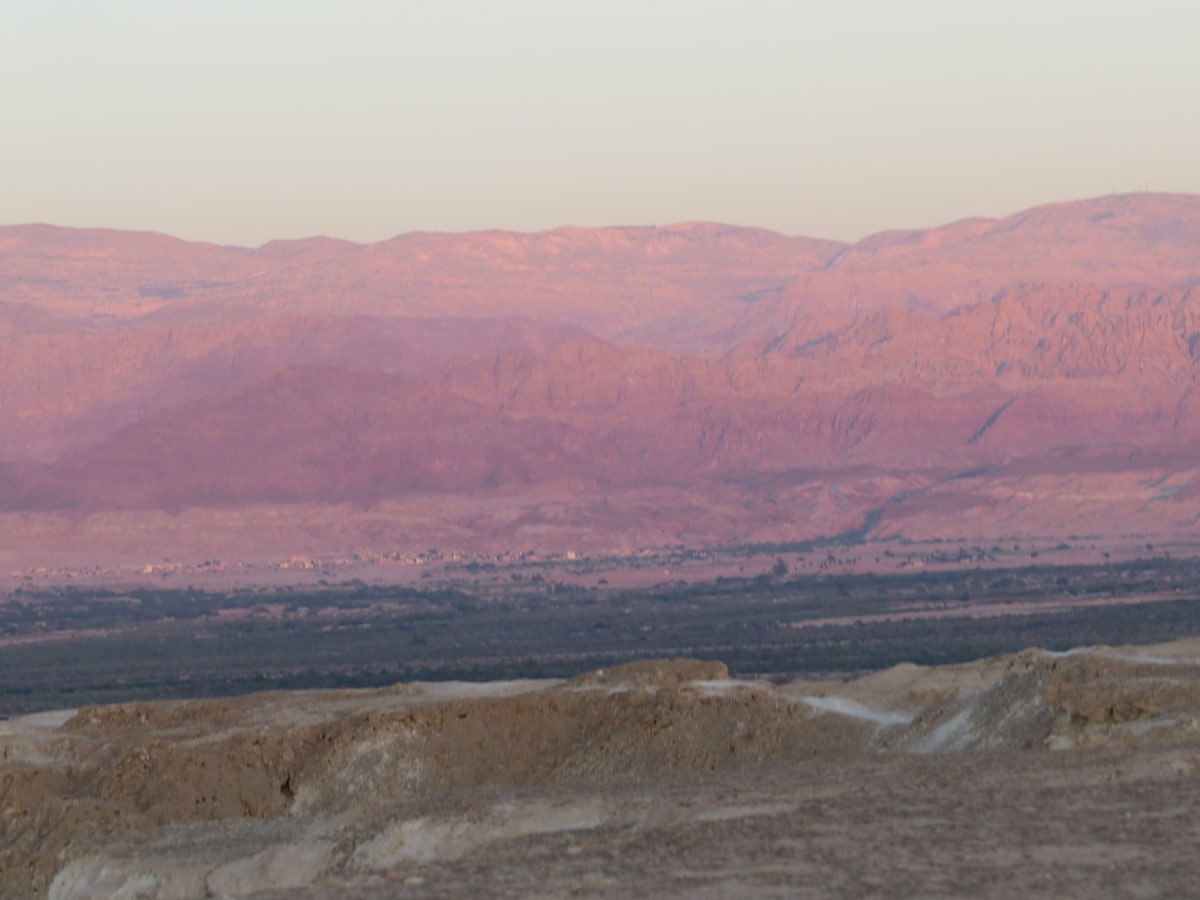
x: 139, y: 372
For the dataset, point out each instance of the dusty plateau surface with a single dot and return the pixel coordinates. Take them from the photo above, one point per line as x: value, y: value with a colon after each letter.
x: 1048, y: 774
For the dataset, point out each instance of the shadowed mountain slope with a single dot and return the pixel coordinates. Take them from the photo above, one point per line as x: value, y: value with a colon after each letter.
x: 977, y: 367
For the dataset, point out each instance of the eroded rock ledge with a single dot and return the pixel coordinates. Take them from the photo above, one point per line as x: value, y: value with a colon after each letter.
x: 605, y: 784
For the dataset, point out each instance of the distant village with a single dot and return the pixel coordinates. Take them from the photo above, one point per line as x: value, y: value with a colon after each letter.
x: 331, y: 565
x: 783, y: 562
x: 326, y: 565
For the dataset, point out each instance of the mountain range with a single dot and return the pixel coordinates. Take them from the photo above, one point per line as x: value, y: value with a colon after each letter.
x: 601, y: 389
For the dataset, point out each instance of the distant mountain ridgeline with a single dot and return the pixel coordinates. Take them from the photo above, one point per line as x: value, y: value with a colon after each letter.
x: 139, y: 372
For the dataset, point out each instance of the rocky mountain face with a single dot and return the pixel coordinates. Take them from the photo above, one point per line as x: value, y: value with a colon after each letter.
x: 1036, y: 374
x: 659, y: 778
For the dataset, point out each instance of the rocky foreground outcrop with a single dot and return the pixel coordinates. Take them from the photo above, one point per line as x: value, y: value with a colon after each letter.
x: 650, y: 779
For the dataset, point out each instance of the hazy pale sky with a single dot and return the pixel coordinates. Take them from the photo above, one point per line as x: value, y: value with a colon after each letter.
x: 238, y: 121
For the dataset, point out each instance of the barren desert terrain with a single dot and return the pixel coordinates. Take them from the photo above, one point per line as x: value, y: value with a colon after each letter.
x: 504, y: 498
x: 1063, y: 774
x: 599, y: 390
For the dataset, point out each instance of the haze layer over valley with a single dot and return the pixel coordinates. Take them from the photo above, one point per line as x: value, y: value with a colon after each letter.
x: 600, y: 389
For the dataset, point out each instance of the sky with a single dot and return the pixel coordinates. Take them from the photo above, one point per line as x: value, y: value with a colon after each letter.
x: 240, y: 121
